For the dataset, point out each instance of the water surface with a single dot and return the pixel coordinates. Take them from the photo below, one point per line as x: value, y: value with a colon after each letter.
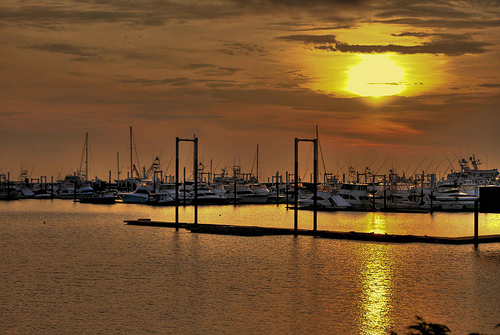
x: 71, y: 268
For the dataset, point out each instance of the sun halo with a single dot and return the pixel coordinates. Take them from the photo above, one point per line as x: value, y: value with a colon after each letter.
x: 376, y: 76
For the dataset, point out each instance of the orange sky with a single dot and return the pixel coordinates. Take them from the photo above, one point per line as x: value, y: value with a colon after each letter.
x: 244, y: 73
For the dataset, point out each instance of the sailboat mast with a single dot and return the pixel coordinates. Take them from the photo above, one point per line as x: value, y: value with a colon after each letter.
x: 131, y: 165
x: 86, y: 156
x: 257, y: 163
x: 118, y: 166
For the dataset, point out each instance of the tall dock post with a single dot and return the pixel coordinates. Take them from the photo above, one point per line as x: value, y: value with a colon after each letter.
x: 195, y: 173
x: 296, y: 189
x: 476, y: 224
x: 315, y: 220
x: 52, y: 187
x: 177, y: 183
x: 277, y: 188
x: 315, y: 186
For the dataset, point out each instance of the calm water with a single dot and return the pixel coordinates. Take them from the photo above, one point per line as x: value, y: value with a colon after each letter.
x: 84, y: 271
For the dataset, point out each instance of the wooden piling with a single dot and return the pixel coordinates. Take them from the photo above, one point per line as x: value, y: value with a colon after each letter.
x: 476, y: 224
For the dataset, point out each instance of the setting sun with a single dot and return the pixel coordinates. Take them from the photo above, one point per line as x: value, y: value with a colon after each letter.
x: 376, y: 76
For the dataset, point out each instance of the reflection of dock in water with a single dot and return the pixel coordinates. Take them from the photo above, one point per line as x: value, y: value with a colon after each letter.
x: 352, y: 235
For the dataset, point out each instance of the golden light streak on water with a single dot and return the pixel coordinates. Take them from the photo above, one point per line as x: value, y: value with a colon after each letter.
x: 376, y: 279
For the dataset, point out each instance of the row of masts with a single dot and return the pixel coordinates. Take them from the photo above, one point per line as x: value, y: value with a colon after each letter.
x: 155, y: 172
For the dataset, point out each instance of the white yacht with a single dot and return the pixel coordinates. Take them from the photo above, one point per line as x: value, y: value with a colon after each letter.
x: 324, y: 200
x: 245, y: 195
x: 205, y: 196
x: 358, y: 195
x: 140, y: 195
x: 451, y: 197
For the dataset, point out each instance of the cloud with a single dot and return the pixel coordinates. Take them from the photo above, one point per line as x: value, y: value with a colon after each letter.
x: 144, y: 13
x: 179, y: 81
x: 213, y: 70
x: 62, y: 48
x: 449, y: 47
x: 433, y: 34
x: 300, y: 3
x: 337, y: 27
x: 237, y: 48
x: 200, y: 66
x: 425, y: 10
x: 489, y: 85
x: 439, y: 23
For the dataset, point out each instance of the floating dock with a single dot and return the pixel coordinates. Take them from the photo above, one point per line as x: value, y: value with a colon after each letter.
x: 352, y: 235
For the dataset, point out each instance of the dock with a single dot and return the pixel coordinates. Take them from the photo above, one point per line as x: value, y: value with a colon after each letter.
x: 351, y: 235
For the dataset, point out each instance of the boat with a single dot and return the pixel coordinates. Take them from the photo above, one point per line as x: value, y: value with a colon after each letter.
x: 8, y: 192
x: 107, y: 198
x: 324, y: 200
x: 140, y: 195
x: 72, y: 187
x: 205, y: 196
x: 473, y: 175
x: 42, y: 194
x: 357, y: 195
x: 245, y: 195
x: 160, y: 199
x: 451, y: 197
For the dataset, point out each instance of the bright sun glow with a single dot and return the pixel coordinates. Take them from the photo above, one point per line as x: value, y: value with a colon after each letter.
x: 376, y: 76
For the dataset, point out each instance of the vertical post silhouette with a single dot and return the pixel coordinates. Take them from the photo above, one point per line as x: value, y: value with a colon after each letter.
x: 195, y: 174
x: 315, y: 184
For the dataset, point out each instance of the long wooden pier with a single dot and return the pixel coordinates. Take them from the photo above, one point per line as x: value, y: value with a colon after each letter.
x: 352, y: 235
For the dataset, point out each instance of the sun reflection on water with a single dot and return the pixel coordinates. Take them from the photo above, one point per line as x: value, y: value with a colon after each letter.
x: 376, y: 282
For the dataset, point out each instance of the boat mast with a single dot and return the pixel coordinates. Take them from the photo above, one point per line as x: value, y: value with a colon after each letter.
x: 131, y: 164
x: 118, y: 166
x: 86, y: 156
x: 257, y: 163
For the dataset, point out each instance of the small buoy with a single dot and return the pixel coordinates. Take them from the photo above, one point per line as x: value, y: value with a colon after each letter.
x: 43, y: 222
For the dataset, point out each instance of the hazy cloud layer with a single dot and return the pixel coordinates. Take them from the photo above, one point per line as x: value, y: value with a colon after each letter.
x: 452, y: 45
x: 241, y: 72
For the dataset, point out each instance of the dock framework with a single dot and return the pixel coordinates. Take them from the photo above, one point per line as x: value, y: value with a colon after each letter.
x: 222, y: 229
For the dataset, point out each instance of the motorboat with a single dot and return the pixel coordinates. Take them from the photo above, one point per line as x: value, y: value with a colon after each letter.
x: 140, y: 195
x: 357, y: 195
x: 324, y: 200
x: 204, y: 196
x: 107, y: 198
x: 245, y: 195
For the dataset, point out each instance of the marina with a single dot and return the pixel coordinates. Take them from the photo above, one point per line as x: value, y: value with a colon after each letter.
x: 249, y: 167
x: 457, y: 191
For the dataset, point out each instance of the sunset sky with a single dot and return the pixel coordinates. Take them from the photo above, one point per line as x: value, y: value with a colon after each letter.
x: 407, y: 83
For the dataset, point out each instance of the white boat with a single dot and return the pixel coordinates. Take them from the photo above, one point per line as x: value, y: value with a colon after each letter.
x: 99, y: 198
x: 160, y: 199
x: 473, y: 175
x: 204, y: 196
x: 358, y: 195
x: 140, y: 195
x: 451, y: 197
x: 65, y: 189
x: 245, y: 195
x: 324, y: 200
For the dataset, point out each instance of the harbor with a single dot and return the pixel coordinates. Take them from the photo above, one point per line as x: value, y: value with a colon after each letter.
x: 62, y: 258
x: 249, y: 167
x: 459, y: 189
